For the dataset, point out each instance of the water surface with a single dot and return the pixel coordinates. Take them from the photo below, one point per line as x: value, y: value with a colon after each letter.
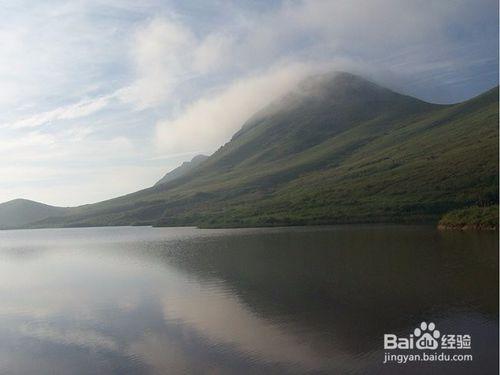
x: 138, y: 300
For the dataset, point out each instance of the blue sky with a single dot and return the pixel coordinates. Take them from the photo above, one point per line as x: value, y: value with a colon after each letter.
x: 101, y: 98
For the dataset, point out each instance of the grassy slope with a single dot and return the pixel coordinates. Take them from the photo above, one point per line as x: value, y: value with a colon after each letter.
x: 355, y: 154
x: 471, y: 218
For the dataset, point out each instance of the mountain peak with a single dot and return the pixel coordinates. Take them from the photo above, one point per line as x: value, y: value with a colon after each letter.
x: 342, y: 84
x: 337, y: 76
x: 329, y: 102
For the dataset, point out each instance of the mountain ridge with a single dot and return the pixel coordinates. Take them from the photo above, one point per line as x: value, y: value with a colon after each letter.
x: 181, y: 170
x: 347, y: 150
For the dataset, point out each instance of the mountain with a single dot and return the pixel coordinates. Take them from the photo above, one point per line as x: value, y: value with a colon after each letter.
x: 182, y: 169
x: 337, y: 149
x: 19, y: 212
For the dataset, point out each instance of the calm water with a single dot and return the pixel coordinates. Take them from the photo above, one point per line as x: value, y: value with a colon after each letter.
x: 294, y: 300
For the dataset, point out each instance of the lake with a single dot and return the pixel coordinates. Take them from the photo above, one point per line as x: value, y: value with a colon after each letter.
x: 140, y: 300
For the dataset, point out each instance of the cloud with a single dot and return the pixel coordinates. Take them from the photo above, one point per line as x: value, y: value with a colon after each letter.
x: 54, y: 50
x: 166, y: 53
x: 159, y: 52
x: 213, y: 119
x: 211, y: 52
x: 69, y: 112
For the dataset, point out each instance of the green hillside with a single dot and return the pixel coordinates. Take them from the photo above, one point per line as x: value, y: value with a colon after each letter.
x: 339, y: 149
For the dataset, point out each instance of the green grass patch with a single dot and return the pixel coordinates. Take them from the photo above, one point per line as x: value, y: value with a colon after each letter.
x: 471, y: 218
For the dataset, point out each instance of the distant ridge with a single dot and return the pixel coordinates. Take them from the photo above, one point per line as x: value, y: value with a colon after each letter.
x: 19, y: 212
x: 184, y: 168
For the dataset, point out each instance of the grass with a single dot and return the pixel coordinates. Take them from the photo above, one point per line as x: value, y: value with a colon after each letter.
x: 471, y: 218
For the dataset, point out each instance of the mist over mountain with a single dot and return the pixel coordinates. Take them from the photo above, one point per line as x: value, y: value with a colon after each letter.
x: 337, y: 149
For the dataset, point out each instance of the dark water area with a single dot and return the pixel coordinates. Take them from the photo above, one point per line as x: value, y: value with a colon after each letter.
x: 136, y: 300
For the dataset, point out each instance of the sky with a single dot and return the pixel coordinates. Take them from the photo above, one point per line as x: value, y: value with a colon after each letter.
x: 102, y: 97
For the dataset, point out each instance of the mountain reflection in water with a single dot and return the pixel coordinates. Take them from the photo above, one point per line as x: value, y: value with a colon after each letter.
x: 281, y: 300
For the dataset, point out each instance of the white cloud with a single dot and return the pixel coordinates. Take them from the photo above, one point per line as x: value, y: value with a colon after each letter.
x: 69, y: 112
x: 212, y: 120
x: 52, y: 50
x: 166, y: 53
x: 160, y: 51
x: 212, y: 52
